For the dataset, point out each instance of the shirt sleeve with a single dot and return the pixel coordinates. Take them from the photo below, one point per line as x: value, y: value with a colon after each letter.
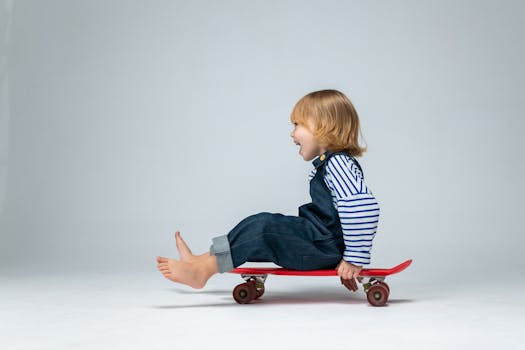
x: 357, y: 207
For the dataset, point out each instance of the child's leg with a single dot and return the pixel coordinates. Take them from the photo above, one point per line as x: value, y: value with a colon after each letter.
x: 289, y: 241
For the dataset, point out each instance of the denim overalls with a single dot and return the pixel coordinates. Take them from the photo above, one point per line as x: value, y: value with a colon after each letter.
x: 312, y: 240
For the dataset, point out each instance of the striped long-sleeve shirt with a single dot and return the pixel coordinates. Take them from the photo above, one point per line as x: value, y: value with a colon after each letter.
x: 357, y: 207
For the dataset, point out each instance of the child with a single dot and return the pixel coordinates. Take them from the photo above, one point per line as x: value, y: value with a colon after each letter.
x: 335, y: 230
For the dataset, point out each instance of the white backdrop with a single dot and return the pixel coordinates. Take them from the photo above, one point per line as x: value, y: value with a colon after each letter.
x: 128, y: 120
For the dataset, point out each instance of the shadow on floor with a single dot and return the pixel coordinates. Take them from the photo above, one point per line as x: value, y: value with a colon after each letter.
x: 271, y: 298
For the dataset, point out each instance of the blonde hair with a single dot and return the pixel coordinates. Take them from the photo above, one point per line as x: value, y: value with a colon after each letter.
x: 332, y: 119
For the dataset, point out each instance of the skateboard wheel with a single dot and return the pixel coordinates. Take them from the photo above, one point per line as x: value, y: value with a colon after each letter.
x: 387, y: 287
x: 244, y: 293
x: 377, y: 294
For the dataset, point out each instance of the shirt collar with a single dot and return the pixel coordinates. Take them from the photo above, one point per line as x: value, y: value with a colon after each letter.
x: 317, y: 162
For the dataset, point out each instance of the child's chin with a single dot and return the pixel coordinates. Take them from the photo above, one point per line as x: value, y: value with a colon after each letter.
x: 307, y: 157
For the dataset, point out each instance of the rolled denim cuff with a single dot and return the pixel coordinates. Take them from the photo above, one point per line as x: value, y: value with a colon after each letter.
x: 221, y: 249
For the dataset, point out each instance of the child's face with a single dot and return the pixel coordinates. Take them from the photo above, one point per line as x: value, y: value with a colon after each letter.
x: 309, y: 147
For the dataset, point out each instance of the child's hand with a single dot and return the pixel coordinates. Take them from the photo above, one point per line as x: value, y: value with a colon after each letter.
x: 348, y: 274
x: 348, y: 271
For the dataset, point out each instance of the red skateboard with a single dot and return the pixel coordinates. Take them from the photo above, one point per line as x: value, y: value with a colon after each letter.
x: 376, y: 289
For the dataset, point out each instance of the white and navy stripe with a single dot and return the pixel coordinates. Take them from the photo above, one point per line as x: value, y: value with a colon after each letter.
x: 357, y: 207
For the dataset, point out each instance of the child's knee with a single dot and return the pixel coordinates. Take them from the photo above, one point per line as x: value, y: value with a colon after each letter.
x: 264, y: 221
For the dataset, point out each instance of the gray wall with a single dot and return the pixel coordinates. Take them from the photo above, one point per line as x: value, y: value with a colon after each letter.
x: 6, y: 8
x: 131, y: 119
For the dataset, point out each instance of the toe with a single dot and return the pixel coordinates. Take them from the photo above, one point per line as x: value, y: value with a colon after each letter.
x: 178, y: 237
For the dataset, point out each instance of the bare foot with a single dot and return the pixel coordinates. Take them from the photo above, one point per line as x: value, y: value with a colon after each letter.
x: 184, y: 251
x: 194, y: 274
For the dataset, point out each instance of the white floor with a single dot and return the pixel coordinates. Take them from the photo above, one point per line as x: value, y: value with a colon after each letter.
x: 146, y: 311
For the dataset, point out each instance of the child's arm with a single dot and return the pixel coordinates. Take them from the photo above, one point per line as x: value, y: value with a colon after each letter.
x: 357, y: 207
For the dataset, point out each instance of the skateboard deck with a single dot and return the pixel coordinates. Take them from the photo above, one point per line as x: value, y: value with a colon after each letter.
x: 377, y: 291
